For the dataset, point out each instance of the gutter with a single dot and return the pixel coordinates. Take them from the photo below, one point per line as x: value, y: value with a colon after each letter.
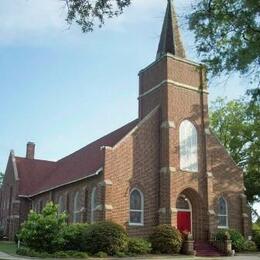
x: 99, y: 171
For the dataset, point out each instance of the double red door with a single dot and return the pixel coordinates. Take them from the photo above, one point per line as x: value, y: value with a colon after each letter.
x: 184, y: 221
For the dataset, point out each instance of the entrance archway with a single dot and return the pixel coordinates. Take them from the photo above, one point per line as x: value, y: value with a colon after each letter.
x: 192, y: 214
x: 184, y: 214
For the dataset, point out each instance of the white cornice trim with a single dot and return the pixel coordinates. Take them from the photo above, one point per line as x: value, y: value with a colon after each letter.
x: 100, y: 170
x: 176, y: 84
x: 168, y: 170
x: 168, y: 124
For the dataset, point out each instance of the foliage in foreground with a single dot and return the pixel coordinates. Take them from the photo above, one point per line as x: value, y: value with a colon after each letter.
x: 107, y: 237
x: 60, y: 254
x: 72, y: 235
x: 227, y: 34
x: 256, y: 234
x: 138, y: 246
x: 239, y: 243
x: 166, y: 239
x: 43, y: 231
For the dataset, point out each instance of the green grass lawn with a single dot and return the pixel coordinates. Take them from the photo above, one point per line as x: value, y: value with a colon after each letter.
x: 8, y: 247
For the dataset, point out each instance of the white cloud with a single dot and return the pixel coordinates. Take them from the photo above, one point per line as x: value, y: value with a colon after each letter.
x: 30, y: 19
x: 42, y: 21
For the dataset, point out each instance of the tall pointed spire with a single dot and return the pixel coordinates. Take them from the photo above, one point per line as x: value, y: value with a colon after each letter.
x: 170, y: 41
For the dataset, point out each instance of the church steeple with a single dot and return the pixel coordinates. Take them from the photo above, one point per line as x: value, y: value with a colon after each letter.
x: 170, y: 41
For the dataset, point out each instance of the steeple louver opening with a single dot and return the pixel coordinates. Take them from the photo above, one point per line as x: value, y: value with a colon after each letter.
x: 170, y: 41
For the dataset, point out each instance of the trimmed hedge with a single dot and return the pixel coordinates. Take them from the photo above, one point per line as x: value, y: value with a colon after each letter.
x: 24, y: 251
x: 166, y: 239
x: 256, y: 235
x: 138, y: 246
x: 250, y: 246
x: 72, y: 235
x: 107, y: 237
x: 238, y: 241
x: 43, y: 231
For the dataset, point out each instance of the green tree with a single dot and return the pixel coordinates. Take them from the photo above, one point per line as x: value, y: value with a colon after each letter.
x: 227, y: 35
x: 87, y: 13
x: 237, y: 125
x: 43, y: 231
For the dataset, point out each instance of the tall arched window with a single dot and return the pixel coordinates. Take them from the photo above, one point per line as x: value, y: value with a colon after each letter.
x: 136, y: 207
x: 93, y: 203
x: 61, y: 203
x: 188, y: 147
x: 222, y: 213
x: 76, y: 208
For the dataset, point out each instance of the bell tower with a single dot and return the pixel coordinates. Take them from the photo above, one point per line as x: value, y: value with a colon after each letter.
x: 178, y: 86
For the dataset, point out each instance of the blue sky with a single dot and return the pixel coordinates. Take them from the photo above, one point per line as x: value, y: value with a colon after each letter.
x: 63, y: 89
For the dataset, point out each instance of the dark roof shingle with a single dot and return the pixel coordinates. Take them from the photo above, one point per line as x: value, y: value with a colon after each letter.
x: 37, y: 176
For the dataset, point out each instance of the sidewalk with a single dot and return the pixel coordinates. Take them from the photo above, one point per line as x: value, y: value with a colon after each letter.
x: 256, y: 256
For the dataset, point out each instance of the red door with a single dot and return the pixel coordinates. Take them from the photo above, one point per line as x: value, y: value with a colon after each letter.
x: 184, y: 221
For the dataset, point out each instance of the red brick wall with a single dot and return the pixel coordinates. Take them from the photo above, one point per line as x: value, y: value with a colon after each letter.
x: 10, y: 202
x: 134, y: 163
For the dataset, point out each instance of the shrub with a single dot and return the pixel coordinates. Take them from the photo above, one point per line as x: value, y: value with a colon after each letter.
x: 43, y: 231
x: 138, y: 246
x: 238, y: 240
x: 222, y: 235
x: 166, y: 239
x: 249, y: 246
x: 101, y: 254
x: 70, y: 254
x: 105, y: 236
x: 72, y: 235
x: 24, y: 251
x: 256, y: 238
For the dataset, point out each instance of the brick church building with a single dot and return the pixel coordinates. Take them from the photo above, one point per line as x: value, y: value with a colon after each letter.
x: 164, y: 167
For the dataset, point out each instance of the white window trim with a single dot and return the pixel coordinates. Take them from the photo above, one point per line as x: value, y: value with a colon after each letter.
x: 137, y: 210
x: 184, y: 167
x: 93, y: 209
x: 75, y: 211
x: 222, y: 215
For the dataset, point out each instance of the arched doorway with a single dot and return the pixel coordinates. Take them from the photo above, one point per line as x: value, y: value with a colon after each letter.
x: 192, y: 214
x: 184, y: 214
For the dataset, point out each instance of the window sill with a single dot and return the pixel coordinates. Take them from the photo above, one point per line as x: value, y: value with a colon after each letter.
x: 223, y: 227
x: 136, y: 224
x: 188, y: 171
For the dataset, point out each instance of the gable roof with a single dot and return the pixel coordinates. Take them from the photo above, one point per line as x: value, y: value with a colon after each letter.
x: 37, y: 176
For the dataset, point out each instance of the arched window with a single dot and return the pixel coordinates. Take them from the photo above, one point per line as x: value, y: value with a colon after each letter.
x: 188, y: 147
x: 136, y: 207
x: 61, y: 203
x: 76, y: 209
x: 93, y: 203
x: 222, y: 213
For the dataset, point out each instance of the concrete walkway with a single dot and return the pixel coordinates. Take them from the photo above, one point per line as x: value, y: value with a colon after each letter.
x: 256, y: 256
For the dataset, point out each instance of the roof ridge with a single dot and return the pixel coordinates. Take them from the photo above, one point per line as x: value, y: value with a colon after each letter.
x: 33, y: 160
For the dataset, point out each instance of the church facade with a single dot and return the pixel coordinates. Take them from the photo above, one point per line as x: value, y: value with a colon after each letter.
x: 164, y: 167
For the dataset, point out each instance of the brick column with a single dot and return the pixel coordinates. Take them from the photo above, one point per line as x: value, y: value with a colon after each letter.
x: 245, y: 217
